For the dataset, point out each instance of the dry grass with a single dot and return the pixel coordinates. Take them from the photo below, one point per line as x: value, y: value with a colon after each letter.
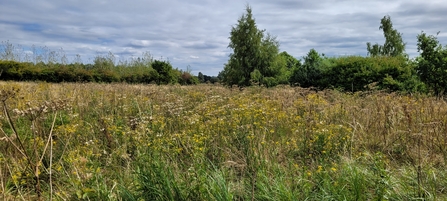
x: 257, y: 143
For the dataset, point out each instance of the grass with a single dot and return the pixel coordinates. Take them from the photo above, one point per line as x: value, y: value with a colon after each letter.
x: 90, y: 141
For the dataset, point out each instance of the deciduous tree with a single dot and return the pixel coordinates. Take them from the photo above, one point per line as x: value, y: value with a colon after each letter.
x: 394, y: 45
x: 432, y: 63
x: 166, y: 74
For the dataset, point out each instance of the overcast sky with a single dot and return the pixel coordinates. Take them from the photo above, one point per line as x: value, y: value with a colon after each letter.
x: 195, y: 32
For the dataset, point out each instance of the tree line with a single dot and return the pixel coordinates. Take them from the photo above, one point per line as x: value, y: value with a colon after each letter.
x: 256, y: 60
x: 50, y: 68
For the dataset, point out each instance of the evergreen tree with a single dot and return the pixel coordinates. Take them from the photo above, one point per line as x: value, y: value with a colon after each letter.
x: 309, y: 73
x: 291, y: 62
x: 252, y: 52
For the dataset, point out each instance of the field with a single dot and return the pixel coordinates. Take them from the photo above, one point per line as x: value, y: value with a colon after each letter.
x: 90, y: 141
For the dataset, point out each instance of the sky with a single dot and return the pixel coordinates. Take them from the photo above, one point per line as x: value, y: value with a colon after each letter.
x: 194, y: 35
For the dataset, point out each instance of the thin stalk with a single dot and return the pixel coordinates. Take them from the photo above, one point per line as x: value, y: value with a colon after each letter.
x: 21, y: 149
x: 37, y: 164
x: 12, y: 142
x: 2, y: 184
x: 51, y: 158
x: 14, y: 130
x: 50, y: 141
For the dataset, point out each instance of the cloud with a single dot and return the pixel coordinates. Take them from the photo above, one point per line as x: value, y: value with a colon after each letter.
x: 195, y: 33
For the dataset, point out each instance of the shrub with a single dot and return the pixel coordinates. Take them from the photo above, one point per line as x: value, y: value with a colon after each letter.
x: 354, y: 73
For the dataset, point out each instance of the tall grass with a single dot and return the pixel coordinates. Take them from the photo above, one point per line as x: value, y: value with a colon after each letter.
x: 206, y: 142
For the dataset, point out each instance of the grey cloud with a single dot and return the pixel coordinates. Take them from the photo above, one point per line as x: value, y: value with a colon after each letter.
x: 196, y: 32
x: 201, y: 45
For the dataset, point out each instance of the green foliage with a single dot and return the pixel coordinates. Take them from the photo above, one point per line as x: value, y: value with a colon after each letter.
x: 394, y: 45
x: 103, y: 75
x: 309, y: 73
x: 432, y: 64
x: 187, y: 79
x: 201, y: 77
x: 207, y: 79
x: 160, y: 72
x: 252, y: 50
x: 104, y: 62
x: 166, y: 74
x: 256, y: 77
x: 291, y: 62
x: 213, y: 79
x: 245, y: 40
x: 269, y: 81
x: 269, y: 64
x: 52, y: 66
x: 356, y: 73
x: 11, y: 70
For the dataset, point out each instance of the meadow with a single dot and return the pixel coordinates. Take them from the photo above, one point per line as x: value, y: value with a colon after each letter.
x: 90, y: 141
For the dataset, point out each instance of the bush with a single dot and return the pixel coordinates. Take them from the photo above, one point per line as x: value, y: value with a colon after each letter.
x: 354, y: 73
x: 12, y: 70
x: 187, y: 79
x: 30, y: 72
x: 269, y: 81
x: 105, y: 76
x: 166, y: 74
x: 83, y: 75
x: 64, y: 74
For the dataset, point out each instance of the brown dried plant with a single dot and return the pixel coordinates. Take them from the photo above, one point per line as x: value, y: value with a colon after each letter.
x: 33, y: 154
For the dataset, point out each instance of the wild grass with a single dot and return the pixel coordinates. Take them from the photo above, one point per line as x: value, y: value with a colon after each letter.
x: 90, y: 141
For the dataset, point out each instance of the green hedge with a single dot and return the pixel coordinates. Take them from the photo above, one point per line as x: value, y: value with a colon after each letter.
x: 355, y: 73
x: 160, y: 72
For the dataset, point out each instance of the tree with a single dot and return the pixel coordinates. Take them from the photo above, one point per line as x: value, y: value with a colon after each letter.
x: 8, y: 52
x: 432, y: 63
x: 213, y: 79
x: 251, y: 51
x: 201, y: 77
x: 104, y: 62
x: 166, y: 74
x: 268, y: 54
x: 291, y: 62
x: 309, y: 73
x: 394, y: 45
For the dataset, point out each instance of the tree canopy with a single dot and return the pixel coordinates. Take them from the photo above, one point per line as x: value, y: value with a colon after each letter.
x: 394, y: 45
x: 432, y: 64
